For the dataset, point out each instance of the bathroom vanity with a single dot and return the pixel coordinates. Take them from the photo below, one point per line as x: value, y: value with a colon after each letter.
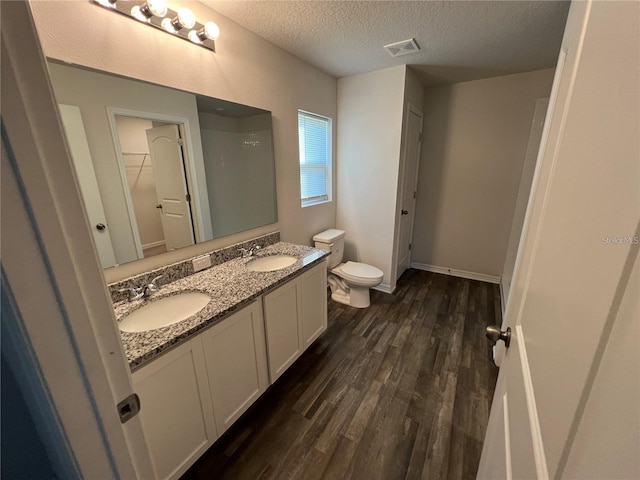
x: 195, y: 378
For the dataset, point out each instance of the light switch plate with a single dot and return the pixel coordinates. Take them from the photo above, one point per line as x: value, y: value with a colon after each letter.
x: 201, y: 263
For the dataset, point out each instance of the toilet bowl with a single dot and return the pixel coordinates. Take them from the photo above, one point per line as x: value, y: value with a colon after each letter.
x: 352, y: 281
x: 349, y: 281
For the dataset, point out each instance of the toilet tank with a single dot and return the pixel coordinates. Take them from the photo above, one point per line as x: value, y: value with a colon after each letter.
x: 332, y: 240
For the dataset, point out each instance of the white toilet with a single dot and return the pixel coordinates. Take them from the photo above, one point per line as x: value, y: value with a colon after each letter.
x: 350, y: 281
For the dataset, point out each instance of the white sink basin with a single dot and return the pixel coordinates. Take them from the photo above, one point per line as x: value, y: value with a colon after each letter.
x: 164, y: 312
x: 271, y: 263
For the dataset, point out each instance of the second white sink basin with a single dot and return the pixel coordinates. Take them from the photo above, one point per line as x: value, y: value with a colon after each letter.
x: 271, y: 263
x: 164, y: 312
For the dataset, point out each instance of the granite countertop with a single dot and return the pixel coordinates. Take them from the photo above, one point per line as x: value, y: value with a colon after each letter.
x: 230, y: 285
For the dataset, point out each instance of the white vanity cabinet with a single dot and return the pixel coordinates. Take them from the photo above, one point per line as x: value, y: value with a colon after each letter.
x: 295, y: 314
x: 193, y: 393
x: 175, y: 408
x: 236, y: 360
x: 313, y: 290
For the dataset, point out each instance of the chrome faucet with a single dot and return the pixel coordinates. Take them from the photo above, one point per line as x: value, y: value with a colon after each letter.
x: 250, y: 251
x: 151, y: 288
x: 134, y: 293
x: 142, y: 292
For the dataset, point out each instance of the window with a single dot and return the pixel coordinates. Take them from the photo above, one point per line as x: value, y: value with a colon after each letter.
x: 314, y: 136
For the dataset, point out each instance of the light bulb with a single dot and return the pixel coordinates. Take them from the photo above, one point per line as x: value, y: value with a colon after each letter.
x: 136, y: 12
x: 211, y: 31
x: 157, y: 7
x: 194, y: 37
x: 107, y: 3
x: 149, y: 9
x: 186, y: 18
x: 167, y: 24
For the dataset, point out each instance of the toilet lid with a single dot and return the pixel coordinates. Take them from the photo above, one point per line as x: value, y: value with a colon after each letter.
x: 361, y: 270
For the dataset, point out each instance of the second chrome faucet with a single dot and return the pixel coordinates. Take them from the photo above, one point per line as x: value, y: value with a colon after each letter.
x: 144, y: 291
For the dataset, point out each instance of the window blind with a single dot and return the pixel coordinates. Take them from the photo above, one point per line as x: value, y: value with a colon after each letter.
x: 315, y: 157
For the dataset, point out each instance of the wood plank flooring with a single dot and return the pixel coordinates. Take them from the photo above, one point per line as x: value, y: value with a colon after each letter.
x: 400, y: 390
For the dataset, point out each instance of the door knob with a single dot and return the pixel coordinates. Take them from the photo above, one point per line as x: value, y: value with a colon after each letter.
x: 159, y: 205
x: 404, y: 212
x: 101, y: 226
x: 494, y: 334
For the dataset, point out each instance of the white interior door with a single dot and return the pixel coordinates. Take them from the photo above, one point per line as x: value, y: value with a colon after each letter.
x: 409, y: 185
x: 575, y: 267
x: 86, y: 175
x: 168, y: 170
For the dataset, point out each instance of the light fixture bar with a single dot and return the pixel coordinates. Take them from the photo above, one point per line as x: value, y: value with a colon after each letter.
x: 181, y: 23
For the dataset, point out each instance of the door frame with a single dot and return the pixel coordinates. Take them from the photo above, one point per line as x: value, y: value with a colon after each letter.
x: 184, y: 127
x: 402, y: 172
x: 77, y: 368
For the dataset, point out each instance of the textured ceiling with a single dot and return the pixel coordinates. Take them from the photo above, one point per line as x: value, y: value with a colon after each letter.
x: 459, y: 40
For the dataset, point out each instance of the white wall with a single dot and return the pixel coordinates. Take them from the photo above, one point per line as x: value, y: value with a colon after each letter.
x: 370, y: 110
x: 474, y: 144
x: 244, y: 69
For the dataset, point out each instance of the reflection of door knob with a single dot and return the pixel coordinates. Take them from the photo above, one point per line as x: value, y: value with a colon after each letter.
x: 494, y: 334
x: 159, y: 205
x: 101, y: 226
x: 404, y: 212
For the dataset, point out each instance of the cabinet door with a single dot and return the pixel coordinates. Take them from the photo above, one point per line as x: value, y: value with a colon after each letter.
x: 236, y: 360
x: 313, y: 286
x: 175, y: 409
x: 281, y: 311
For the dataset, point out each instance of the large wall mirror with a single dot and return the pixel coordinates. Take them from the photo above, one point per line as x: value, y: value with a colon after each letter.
x: 161, y: 169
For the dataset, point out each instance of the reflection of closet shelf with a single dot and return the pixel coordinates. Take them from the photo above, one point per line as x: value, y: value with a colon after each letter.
x: 142, y: 165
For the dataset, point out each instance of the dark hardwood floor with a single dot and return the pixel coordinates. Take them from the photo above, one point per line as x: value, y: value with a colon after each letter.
x: 399, y: 390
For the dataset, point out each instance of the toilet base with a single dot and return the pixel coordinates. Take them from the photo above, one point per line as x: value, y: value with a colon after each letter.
x: 356, y: 296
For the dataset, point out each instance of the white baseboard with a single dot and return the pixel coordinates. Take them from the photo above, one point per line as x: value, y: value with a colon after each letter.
x: 457, y: 273
x: 385, y: 287
x: 153, y: 244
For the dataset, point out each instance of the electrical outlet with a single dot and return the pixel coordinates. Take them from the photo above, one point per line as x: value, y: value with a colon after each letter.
x: 201, y: 263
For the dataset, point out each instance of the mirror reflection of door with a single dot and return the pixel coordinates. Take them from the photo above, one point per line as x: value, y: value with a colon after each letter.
x: 154, y: 162
x: 83, y: 163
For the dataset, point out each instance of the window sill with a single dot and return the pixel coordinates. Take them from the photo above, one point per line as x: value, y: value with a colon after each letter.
x: 310, y: 203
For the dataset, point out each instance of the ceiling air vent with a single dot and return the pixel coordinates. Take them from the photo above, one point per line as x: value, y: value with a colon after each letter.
x: 402, y: 48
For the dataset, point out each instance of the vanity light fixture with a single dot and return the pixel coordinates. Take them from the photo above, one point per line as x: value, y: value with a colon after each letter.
x: 181, y: 23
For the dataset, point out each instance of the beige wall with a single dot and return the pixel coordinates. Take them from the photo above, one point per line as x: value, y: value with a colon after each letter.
x: 474, y: 144
x: 369, y: 130
x: 245, y: 69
